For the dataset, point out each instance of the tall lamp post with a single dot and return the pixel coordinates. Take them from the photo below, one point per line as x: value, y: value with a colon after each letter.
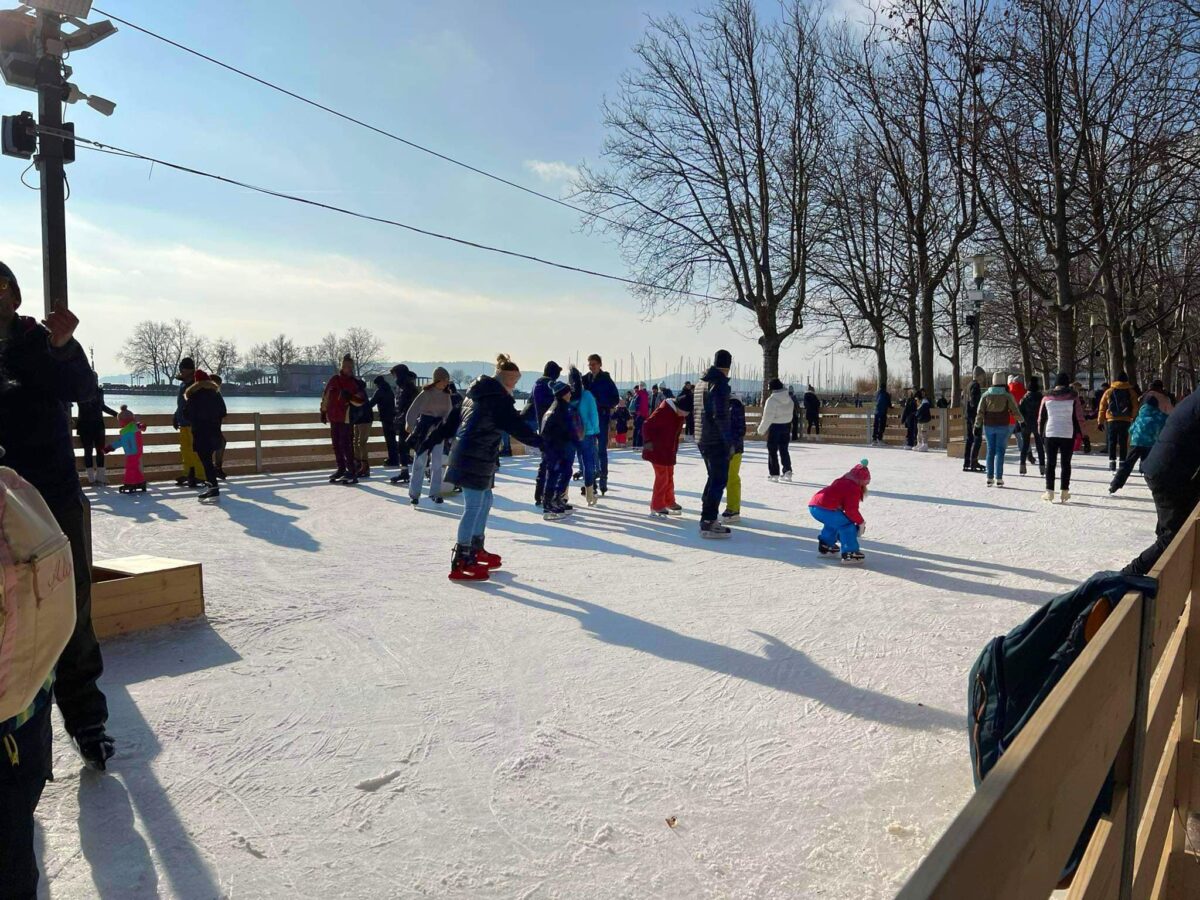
x: 979, y: 269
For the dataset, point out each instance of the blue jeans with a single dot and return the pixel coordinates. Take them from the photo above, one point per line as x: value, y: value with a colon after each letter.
x: 476, y: 507
x: 838, y: 528
x: 586, y: 451
x: 434, y: 458
x: 997, y: 444
x: 602, y: 449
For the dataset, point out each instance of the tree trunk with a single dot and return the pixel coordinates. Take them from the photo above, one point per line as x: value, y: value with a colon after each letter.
x: 881, y: 355
x: 1129, y: 351
x: 770, y: 349
x: 1065, y: 322
x: 926, y: 374
x: 1022, y: 332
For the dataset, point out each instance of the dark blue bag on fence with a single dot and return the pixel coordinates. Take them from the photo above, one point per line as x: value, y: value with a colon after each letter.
x: 1017, y: 671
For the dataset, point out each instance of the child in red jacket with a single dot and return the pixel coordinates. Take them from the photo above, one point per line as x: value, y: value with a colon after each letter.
x: 660, y: 447
x: 836, y: 508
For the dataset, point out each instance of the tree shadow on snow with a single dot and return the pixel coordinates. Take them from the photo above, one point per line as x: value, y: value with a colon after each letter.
x: 780, y: 667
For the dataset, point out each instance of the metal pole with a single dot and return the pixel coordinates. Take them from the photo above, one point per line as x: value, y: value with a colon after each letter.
x: 51, y: 95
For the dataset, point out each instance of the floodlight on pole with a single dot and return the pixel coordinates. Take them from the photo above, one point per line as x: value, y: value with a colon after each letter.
x: 85, y: 36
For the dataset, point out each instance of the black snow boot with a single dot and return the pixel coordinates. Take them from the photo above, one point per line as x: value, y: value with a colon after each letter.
x: 212, y: 493
x: 337, y: 476
x: 94, y: 746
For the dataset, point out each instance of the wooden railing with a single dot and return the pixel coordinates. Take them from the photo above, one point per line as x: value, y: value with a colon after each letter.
x: 854, y: 424
x: 1128, y: 704
x: 258, y: 442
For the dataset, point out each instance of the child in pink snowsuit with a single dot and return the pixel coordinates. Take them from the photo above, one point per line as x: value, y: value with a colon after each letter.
x: 130, y: 441
x: 837, y: 508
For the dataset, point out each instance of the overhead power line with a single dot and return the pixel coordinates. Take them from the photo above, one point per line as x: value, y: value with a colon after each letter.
x: 281, y: 195
x: 375, y: 128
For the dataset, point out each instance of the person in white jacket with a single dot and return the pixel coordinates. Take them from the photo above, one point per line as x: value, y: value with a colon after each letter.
x: 1060, y: 420
x: 776, y: 424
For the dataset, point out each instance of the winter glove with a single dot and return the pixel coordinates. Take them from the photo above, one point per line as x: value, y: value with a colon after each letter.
x: 862, y: 529
x: 324, y: 419
x: 109, y: 449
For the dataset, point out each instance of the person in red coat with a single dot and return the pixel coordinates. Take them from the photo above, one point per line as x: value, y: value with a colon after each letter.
x: 341, y: 392
x: 836, y: 508
x: 660, y: 447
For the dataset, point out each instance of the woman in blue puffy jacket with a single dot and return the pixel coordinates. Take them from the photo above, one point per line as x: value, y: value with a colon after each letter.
x: 585, y: 449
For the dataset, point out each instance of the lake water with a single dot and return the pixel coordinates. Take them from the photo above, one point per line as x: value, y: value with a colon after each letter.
x: 156, y: 404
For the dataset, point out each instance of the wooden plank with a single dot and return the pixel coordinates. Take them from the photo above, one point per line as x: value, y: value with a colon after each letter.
x: 142, y: 563
x: 122, y: 595
x: 1099, y: 871
x: 1187, y: 783
x: 1174, y: 574
x: 1162, y: 713
x: 110, y: 626
x: 1013, y: 835
x: 1152, y: 832
x: 1183, y: 880
x: 1158, y: 887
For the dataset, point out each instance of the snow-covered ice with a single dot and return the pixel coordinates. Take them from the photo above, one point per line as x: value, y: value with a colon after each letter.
x: 347, y: 723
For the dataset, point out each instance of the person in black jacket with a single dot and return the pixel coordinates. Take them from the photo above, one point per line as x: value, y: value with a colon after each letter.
x: 908, y: 418
x: 205, y: 409
x: 187, y: 450
x: 384, y: 400
x: 1031, y: 435
x: 812, y: 411
x: 89, y: 425
x: 971, y: 398
x: 558, y: 439
x: 1172, y: 473
x: 361, y: 420
x: 43, y: 369
x: 487, y: 412
x: 602, y: 388
x: 883, y: 403
x: 406, y: 393
x: 716, y: 443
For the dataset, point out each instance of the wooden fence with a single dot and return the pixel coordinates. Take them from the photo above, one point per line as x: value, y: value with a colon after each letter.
x: 258, y: 442
x: 854, y: 424
x: 1128, y: 705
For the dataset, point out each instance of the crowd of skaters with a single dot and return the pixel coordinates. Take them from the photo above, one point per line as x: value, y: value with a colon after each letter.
x: 43, y: 369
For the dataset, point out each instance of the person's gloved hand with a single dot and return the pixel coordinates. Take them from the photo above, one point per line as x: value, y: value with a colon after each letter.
x: 1100, y: 425
x: 324, y: 419
x: 345, y: 395
x: 862, y: 529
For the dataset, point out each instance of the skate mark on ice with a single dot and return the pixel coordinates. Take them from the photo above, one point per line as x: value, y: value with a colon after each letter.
x: 373, y: 784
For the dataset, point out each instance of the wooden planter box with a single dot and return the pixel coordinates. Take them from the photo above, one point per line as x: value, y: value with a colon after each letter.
x: 140, y: 592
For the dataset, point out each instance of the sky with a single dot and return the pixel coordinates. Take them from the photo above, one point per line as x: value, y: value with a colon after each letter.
x: 515, y: 88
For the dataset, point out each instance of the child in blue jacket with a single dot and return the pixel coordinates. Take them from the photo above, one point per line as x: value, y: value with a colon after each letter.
x: 1143, y: 435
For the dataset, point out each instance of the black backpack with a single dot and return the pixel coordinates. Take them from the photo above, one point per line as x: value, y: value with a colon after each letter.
x: 1120, y: 403
x: 1017, y: 671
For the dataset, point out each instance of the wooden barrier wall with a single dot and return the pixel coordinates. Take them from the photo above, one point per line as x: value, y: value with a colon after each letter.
x: 291, y: 442
x: 1129, y: 705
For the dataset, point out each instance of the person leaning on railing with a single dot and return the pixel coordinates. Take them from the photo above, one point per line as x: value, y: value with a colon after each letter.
x: 1172, y: 472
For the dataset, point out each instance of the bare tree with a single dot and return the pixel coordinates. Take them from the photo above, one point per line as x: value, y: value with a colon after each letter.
x: 715, y: 143
x: 148, y: 352
x: 222, y: 356
x: 366, y: 348
x: 330, y: 350
x: 276, y: 354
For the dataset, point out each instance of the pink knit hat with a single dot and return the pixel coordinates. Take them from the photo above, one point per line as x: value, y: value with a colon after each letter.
x: 860, y: 474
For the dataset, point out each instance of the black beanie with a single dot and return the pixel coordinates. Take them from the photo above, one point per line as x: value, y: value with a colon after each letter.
x: 7, y: 274
x: 187, y: 363
x: 723, y: 359
x: 776, y: 384
x: 552, y: 370
x: 1063, y: 380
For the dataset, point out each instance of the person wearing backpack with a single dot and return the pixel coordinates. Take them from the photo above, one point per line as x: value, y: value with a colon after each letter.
x: 1172, y: 472
x: 1142, y: 438
x: 924, y: 415
x: 997, y: 409
x: 43, y: 368
x: 1118, y: 409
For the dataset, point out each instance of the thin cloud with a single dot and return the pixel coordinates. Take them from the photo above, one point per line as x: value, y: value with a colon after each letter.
x: 559, y: 173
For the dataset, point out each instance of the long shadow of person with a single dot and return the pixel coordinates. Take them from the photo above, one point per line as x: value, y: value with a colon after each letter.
x: 781, y: 667
x: 140, y: 507
x: 119, y: 858
x: 268, y: 524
